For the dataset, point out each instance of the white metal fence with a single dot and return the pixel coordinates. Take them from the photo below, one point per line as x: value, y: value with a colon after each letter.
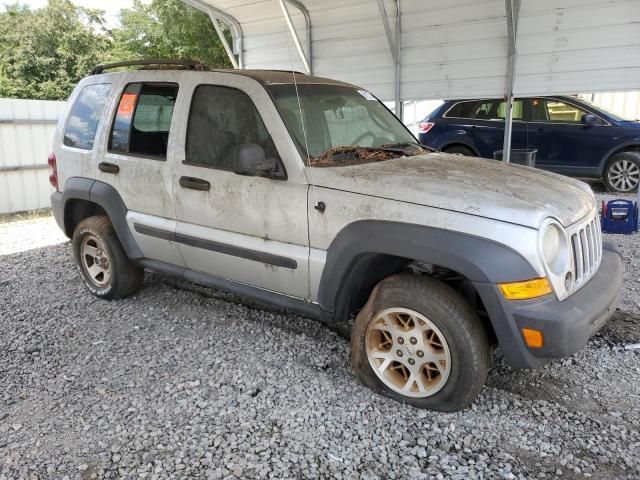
x: 27, y: 128
x: 26, y: 137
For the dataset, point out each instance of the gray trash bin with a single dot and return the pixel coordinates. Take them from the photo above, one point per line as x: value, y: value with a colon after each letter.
x: 521, y: 156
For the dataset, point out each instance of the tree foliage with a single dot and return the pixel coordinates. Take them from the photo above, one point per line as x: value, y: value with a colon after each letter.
x: 45, y: 52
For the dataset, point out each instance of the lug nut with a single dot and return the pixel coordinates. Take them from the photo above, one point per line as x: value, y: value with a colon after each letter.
x: 420, y: 353
x: 400, y: 340
x: 411, y: 361
x: 399, y: 352
x: 413, y: 340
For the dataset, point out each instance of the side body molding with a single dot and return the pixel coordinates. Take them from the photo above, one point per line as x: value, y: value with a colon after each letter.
x: 478, y: 259
x: 104, y: 195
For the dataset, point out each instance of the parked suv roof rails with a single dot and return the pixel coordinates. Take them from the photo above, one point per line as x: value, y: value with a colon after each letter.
x: 188, y: 64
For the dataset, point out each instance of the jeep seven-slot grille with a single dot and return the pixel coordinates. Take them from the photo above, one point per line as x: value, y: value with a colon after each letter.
x: 586, y: 243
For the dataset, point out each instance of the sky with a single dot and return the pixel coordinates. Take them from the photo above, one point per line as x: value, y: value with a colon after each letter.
x: 111, y: 7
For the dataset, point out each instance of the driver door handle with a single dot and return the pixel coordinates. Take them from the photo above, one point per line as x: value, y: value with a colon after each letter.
x: 108, y: 167
x: 194, y: 183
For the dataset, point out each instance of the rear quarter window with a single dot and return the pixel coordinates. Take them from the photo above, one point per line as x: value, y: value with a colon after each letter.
x: 84, y: 117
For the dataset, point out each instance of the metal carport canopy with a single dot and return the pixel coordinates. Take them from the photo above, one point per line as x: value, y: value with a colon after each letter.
x: 433, y: 49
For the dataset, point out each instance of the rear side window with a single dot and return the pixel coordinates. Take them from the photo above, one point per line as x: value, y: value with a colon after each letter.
x: 84, y: 117
x: 485, y: 110
x: 222, y: 118
x: 143, y: 119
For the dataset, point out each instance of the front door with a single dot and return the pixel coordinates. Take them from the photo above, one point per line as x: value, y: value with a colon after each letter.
x: 249, y: 229
x: 564, y: 143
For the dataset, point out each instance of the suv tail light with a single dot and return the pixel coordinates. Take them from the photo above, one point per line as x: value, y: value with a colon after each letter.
x: 424, y: 127
x: 53, y: 171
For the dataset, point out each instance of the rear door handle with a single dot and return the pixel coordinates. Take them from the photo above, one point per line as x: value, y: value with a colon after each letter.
x: 540, y: 131
x: 194, y: 183
x: 109, y: 167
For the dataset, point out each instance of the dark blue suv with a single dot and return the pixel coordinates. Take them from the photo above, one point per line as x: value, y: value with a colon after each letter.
x: 573, y: 137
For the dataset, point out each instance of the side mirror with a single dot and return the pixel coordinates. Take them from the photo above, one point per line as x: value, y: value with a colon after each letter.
x: 250, y: 159
x: 589, y: 119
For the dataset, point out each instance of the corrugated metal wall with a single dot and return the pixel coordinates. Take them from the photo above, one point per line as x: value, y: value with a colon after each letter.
x: 26, y: 137
x: 625, y: 104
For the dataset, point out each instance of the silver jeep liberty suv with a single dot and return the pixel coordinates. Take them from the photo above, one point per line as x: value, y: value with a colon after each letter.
x: 308, y: 194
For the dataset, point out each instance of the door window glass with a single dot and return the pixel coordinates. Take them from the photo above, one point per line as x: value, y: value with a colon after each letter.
x: 222, y: 118
x: 496, y: 110
x: 143, y: 119
x: 554, y: 111
x: 80, y: 131
x: 563, y: 112
x: 485, y: 110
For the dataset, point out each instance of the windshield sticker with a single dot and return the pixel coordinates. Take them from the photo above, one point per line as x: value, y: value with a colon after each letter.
x: 367, y: 95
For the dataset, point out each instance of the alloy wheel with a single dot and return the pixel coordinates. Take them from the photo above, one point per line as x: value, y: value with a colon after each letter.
x: 95, y: 261
x: 408, y: 352
x: 624, y: 175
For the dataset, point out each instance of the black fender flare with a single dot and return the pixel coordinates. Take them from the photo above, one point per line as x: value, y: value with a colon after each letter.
x: 480, y: 260
x: 107, y: 197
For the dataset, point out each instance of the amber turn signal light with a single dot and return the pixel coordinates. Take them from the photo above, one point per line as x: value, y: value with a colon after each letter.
x: 536, y: 287
x: 533, y: 338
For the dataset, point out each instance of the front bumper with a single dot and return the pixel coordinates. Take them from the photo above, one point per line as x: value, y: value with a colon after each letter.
x: 566, y: 326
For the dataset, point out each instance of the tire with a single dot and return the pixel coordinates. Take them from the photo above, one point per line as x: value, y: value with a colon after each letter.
x: 104, y: 267
x: 442, y: 314
x: 622, y: 173
x: 460, y: 150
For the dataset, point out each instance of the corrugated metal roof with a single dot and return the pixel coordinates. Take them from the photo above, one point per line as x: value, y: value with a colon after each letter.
x: 450, y: 49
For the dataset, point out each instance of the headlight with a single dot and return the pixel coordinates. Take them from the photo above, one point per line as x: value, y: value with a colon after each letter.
x: 555, y: 249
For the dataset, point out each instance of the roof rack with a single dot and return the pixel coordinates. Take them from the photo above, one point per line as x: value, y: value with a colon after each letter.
x: 188, y: 64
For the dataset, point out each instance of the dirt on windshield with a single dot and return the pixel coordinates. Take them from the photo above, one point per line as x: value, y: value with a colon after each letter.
x: 354, y: 155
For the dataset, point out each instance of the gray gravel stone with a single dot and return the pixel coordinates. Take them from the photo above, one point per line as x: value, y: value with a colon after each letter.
x: 180, y: 381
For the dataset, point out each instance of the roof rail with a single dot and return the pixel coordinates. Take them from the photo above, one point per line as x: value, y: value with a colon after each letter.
x: 189, y: 64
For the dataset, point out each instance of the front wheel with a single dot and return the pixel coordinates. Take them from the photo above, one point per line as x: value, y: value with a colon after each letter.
x: 106, y: 271
x: 418, y: 341
x: 622, y: 173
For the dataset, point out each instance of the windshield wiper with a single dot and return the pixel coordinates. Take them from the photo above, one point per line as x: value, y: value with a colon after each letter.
x: 408, y: 144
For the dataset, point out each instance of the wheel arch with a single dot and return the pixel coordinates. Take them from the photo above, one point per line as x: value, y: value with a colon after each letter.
x: 83, y: 197
x: 460, y: 143
x: 365, y: 252
x: 631, y: 146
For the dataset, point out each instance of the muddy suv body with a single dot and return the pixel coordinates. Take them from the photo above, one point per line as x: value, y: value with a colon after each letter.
x: 210, y: 176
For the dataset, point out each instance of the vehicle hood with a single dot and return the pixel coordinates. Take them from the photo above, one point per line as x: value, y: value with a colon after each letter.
x: 475, y: 186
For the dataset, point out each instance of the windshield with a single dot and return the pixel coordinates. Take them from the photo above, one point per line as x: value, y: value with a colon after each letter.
x: 343, y: 125
x: 598, y: 108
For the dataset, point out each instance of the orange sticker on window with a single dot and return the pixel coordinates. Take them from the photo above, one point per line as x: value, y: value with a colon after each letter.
x: 127, y: 102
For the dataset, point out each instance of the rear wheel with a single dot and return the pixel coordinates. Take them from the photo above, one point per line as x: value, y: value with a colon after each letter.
x: 418, y: 341
x: 460, y: 150
x: 105, y: 269
x: 622, y: 173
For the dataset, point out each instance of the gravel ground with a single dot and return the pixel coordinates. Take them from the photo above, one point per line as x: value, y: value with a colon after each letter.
x: 182, y: 381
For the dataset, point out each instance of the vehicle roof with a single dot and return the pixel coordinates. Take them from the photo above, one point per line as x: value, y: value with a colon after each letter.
x: 265, y: 77
x: 567, y: 97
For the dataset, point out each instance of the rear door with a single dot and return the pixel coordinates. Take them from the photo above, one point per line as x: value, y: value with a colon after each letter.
x: 564, y: 143
x: 251, y: 230
x: 136, y: 160
x: 488, y: 126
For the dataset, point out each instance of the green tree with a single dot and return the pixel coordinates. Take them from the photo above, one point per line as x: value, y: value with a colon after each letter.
x: 167, y: 29
x: 44, y: 52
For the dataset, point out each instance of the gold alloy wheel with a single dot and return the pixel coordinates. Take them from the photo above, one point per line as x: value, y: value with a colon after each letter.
x: 408, y: 352
x: 95, y: 261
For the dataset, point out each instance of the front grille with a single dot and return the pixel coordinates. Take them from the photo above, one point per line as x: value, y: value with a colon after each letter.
x: 586, y: 243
